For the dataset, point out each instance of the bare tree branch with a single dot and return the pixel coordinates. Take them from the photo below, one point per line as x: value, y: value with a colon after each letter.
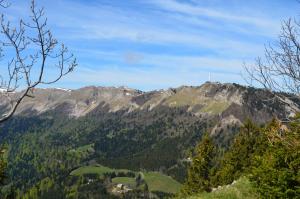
x: 26, y: 62
x: 4, y: 4
x: 279, y: 70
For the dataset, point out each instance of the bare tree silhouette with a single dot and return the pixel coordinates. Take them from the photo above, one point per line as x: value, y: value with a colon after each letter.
x: 279, y: 70
x: 35, y: 51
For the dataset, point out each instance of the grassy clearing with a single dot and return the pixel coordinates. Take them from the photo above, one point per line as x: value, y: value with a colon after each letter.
x: 155, y: 180
x: 184, y: 98
x: 124, y: 180
x: 191, y: 98
x: 82, y: 151
x: 242, y: 189
x: 98, y: 169
x: 215, y: 107
x: 160, y: 182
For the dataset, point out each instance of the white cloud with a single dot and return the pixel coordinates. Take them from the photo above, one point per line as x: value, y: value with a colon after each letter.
x: 194, y: 10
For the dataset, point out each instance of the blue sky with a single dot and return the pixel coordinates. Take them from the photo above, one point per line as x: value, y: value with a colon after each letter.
x: 154, y: 44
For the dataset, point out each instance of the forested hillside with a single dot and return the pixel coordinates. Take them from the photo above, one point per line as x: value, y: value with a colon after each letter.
x: 262, y: 162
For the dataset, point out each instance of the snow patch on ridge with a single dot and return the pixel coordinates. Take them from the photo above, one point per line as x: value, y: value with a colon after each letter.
x: 2, y: 90
x: 64, y: 89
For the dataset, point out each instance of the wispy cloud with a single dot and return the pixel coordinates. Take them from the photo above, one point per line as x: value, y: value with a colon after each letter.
x: 196, y: 10
x: 112, y: 24
x: 159, y: 43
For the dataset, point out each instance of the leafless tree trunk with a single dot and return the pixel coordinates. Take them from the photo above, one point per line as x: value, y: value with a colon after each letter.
x: 279, y: 70
x: 34, y: 51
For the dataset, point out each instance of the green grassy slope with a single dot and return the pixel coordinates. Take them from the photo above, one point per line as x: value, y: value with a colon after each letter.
x: 124, y: 180
x: 155, y: 180
x: 242, y: 189
x: 160, y: 182
x: 98, y: 169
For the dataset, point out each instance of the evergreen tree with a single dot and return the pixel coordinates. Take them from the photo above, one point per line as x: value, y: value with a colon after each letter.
x: 2, y: 166
x: 276, y: 172
x: 139, y: 180
x: 238, y: 159
x: 198, y: 179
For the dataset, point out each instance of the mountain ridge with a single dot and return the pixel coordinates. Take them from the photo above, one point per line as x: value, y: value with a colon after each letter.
x: 208, y: 99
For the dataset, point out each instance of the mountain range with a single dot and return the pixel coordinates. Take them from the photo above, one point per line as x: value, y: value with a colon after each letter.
x: 210, y: 99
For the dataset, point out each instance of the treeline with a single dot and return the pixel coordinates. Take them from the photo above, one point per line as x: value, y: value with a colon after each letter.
x: 269, y: 156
